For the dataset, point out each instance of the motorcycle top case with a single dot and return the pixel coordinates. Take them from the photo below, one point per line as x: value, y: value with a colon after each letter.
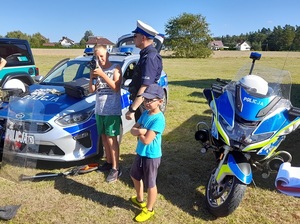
x: 78, y: 88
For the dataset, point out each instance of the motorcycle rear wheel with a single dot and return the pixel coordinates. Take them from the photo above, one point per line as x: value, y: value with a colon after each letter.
x: 222, y: 199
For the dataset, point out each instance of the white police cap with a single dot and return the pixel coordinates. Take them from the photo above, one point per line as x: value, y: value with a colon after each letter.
x: 145, y: 29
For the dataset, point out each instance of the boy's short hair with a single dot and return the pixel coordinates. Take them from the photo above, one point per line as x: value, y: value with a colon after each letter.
x: 153, y: 91
x: 100, y: 46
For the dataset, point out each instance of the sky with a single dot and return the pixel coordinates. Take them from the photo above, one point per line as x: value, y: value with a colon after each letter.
x: 114, y: 18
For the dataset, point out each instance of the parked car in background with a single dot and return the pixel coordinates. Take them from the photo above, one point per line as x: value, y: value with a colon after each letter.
x: 19, y: 57
x: 50, y: 123
x: 126, y: 44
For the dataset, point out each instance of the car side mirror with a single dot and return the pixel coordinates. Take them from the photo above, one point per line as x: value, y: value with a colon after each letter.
x: 38, y: 78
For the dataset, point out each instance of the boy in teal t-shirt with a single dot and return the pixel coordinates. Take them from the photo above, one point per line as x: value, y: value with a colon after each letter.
x: 148, y: 129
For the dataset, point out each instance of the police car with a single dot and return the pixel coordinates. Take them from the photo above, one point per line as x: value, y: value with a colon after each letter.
x: 46, y: 123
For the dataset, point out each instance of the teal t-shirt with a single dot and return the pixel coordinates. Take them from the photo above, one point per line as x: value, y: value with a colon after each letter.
x: 156, y: 123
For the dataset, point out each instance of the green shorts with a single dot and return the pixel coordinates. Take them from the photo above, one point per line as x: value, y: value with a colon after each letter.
x: 108, y: 125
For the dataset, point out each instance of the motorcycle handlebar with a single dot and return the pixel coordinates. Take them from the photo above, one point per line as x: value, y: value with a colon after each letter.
x: 222, y: 81
x: 294, y: 112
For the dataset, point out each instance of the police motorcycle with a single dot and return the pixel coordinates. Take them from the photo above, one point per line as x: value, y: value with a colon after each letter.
x: 251, y: 116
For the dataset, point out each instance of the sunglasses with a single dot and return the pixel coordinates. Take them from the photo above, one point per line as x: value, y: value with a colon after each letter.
x: 150, y: 100
x: 136, y: 35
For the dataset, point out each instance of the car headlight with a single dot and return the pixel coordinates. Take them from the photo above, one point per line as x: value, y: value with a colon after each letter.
x: 74, y: 118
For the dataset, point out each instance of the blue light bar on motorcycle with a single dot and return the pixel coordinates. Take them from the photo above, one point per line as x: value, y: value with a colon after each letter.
x: 255, y: 55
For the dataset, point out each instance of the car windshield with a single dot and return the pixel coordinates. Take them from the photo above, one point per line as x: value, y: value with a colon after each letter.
x: 69, y: 71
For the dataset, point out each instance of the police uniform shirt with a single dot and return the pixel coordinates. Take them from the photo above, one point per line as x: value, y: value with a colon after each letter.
x: 150, y: 66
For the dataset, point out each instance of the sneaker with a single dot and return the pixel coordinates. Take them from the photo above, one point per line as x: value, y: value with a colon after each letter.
x: 113, y: 175
x: 144, y: 215
x: 105, y: 167
x: 134, y: 200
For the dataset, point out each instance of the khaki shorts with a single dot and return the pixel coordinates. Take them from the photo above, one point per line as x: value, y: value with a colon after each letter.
x: 108, y: 125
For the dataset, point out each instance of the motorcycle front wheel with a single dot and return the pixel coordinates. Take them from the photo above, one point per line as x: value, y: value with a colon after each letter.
x: 222, y: 199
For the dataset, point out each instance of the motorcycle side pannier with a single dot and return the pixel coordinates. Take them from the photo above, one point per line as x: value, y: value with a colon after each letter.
x: 78, y: 88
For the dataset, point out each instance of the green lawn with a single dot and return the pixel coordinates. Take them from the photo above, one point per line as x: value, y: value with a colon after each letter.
x: 183, y: 173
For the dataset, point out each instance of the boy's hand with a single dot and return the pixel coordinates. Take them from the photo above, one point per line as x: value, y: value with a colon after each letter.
x: 93, y: 75
x: 142, y: 131
x: 129, y: 115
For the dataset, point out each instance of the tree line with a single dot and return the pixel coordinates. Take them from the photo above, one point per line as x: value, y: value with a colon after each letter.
x: 285, y: 38
x: 37, y: 40
x: 188, y: 36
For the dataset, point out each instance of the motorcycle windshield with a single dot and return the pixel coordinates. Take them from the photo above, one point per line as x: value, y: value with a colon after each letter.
x: 278, y: 80
x: 256, y: 108
x: 23, y: 118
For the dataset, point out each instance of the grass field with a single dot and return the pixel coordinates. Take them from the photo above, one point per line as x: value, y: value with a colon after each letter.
x: 183, y: 172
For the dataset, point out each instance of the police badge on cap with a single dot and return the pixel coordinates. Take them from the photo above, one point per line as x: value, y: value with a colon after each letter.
x: 145, y: 29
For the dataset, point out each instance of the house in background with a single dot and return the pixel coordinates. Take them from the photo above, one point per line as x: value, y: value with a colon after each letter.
x: 94, y: 40
x: 243, y: 46
x: 216, y: 45
x: 66, y: 42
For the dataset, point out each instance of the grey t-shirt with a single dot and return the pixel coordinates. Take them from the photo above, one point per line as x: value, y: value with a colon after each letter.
x: 108, y: 102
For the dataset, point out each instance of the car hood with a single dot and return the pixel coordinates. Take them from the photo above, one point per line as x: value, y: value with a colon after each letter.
x: 47, y: 102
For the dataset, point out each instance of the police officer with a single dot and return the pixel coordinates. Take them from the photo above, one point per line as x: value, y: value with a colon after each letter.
x: 148, y: 69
